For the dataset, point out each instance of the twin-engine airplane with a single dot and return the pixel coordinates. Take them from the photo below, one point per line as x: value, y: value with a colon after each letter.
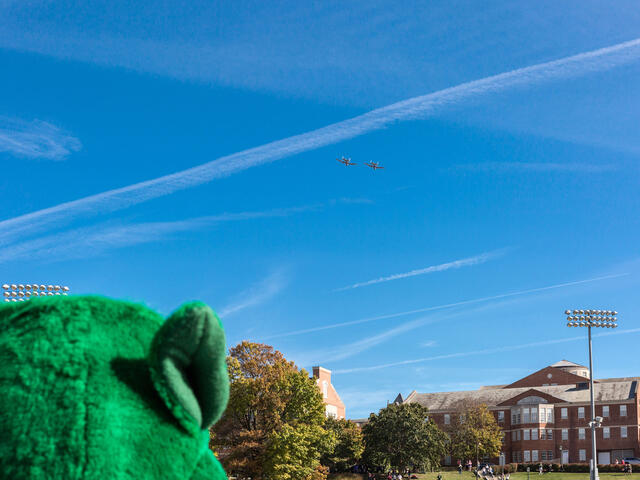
x: 346, y: 161
x: 374, y: 165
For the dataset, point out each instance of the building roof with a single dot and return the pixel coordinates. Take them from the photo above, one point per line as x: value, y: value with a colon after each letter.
x: 447, y: 401
x: 566, y: 363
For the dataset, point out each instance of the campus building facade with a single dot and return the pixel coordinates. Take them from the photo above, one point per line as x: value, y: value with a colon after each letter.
x: 334, y: 407
x: 544, y: 416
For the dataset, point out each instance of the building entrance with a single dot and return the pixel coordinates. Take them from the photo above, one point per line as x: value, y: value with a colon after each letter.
x: 604, y: 458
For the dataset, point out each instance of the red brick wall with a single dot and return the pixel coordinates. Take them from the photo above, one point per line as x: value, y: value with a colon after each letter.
x: 572, y: 423
x: 540, y: 378
x: 332, y: 398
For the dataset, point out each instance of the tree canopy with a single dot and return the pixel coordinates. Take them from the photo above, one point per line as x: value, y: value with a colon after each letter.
x: 474, y: 431
x: 402, y: 436
x: 273, y: 425
x: 349, y: 445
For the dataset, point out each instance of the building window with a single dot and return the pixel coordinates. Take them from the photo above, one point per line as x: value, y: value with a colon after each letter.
x: 623, y: 410
x: 515, y: 417
x: 501, y: 416
x: 565, y: 434
x: 534, y: 455
x: 447, y: 419
x: 462, y: 418
x: 513, y: 435
x: 549, y: 415
x: 549, y: 435
x: 605, y: 410
x: 525, y: 415
x: 623, y: 432
x: 534, y: 414
x: 534, y: 434
x: 525, y: 434
x: 447, y: 460
x: 527, y: 456
x: 606, y: 432
x: 582, y: 455
x: 580, y: 412
x: 543, y: 434
x: 564, y: 413
x: 581, y: 434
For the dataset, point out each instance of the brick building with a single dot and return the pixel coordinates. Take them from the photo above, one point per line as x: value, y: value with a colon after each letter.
x: 333, y: 405
x: 545, y: 415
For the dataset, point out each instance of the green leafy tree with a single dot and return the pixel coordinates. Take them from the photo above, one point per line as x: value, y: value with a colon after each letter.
x: 402, y: 436
x: 474, y: 432
x: 294, y: 451
x: 273, y: 425
x: 349, y: 445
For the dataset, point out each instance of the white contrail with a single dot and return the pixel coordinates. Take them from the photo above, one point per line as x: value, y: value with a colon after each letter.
x: 463, y: 262
x: 413, y: 108
x: 440, y: 307
x: 257, y: 294
x: 97, y: 239
x: 486, y: 351
x: 35, y: 139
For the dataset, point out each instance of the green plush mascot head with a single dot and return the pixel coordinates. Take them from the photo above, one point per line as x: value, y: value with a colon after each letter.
x: 92, y: 388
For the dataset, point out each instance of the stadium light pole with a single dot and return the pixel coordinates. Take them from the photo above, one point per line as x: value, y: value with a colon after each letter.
x: 595, y: 319
x: 19, y: 292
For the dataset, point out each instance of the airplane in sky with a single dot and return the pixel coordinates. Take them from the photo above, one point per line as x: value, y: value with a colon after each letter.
x: 374, y: 165
x: 346, y: 161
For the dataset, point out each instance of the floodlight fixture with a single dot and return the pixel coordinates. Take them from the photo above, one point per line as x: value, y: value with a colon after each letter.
x: 592, y: 318
x: 21, y: 292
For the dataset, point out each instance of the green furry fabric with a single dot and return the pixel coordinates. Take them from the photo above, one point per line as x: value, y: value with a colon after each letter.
x: 92, y: 388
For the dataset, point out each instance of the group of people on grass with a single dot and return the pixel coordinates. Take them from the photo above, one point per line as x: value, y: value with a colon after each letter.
x: 627, y: 468
x: 393, y: 475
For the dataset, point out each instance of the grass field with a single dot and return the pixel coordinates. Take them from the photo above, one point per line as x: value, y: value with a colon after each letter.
x: 514, y: 476
x: 533, y: 476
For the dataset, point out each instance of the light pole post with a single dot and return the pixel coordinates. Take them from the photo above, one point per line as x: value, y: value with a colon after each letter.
x: 594, y: 452
x: 596, y: 319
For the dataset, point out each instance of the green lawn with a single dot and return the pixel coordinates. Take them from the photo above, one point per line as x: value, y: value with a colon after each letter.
x: 533, y: 476
x: 514, y: 476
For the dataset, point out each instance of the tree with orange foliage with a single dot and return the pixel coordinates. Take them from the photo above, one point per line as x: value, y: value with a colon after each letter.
x: 273, y: 422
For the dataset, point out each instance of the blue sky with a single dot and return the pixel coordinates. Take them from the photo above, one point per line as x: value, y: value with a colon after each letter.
x: 163, y: 153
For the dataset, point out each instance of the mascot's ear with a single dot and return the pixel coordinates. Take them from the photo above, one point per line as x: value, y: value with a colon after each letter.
x: 188, y: 366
